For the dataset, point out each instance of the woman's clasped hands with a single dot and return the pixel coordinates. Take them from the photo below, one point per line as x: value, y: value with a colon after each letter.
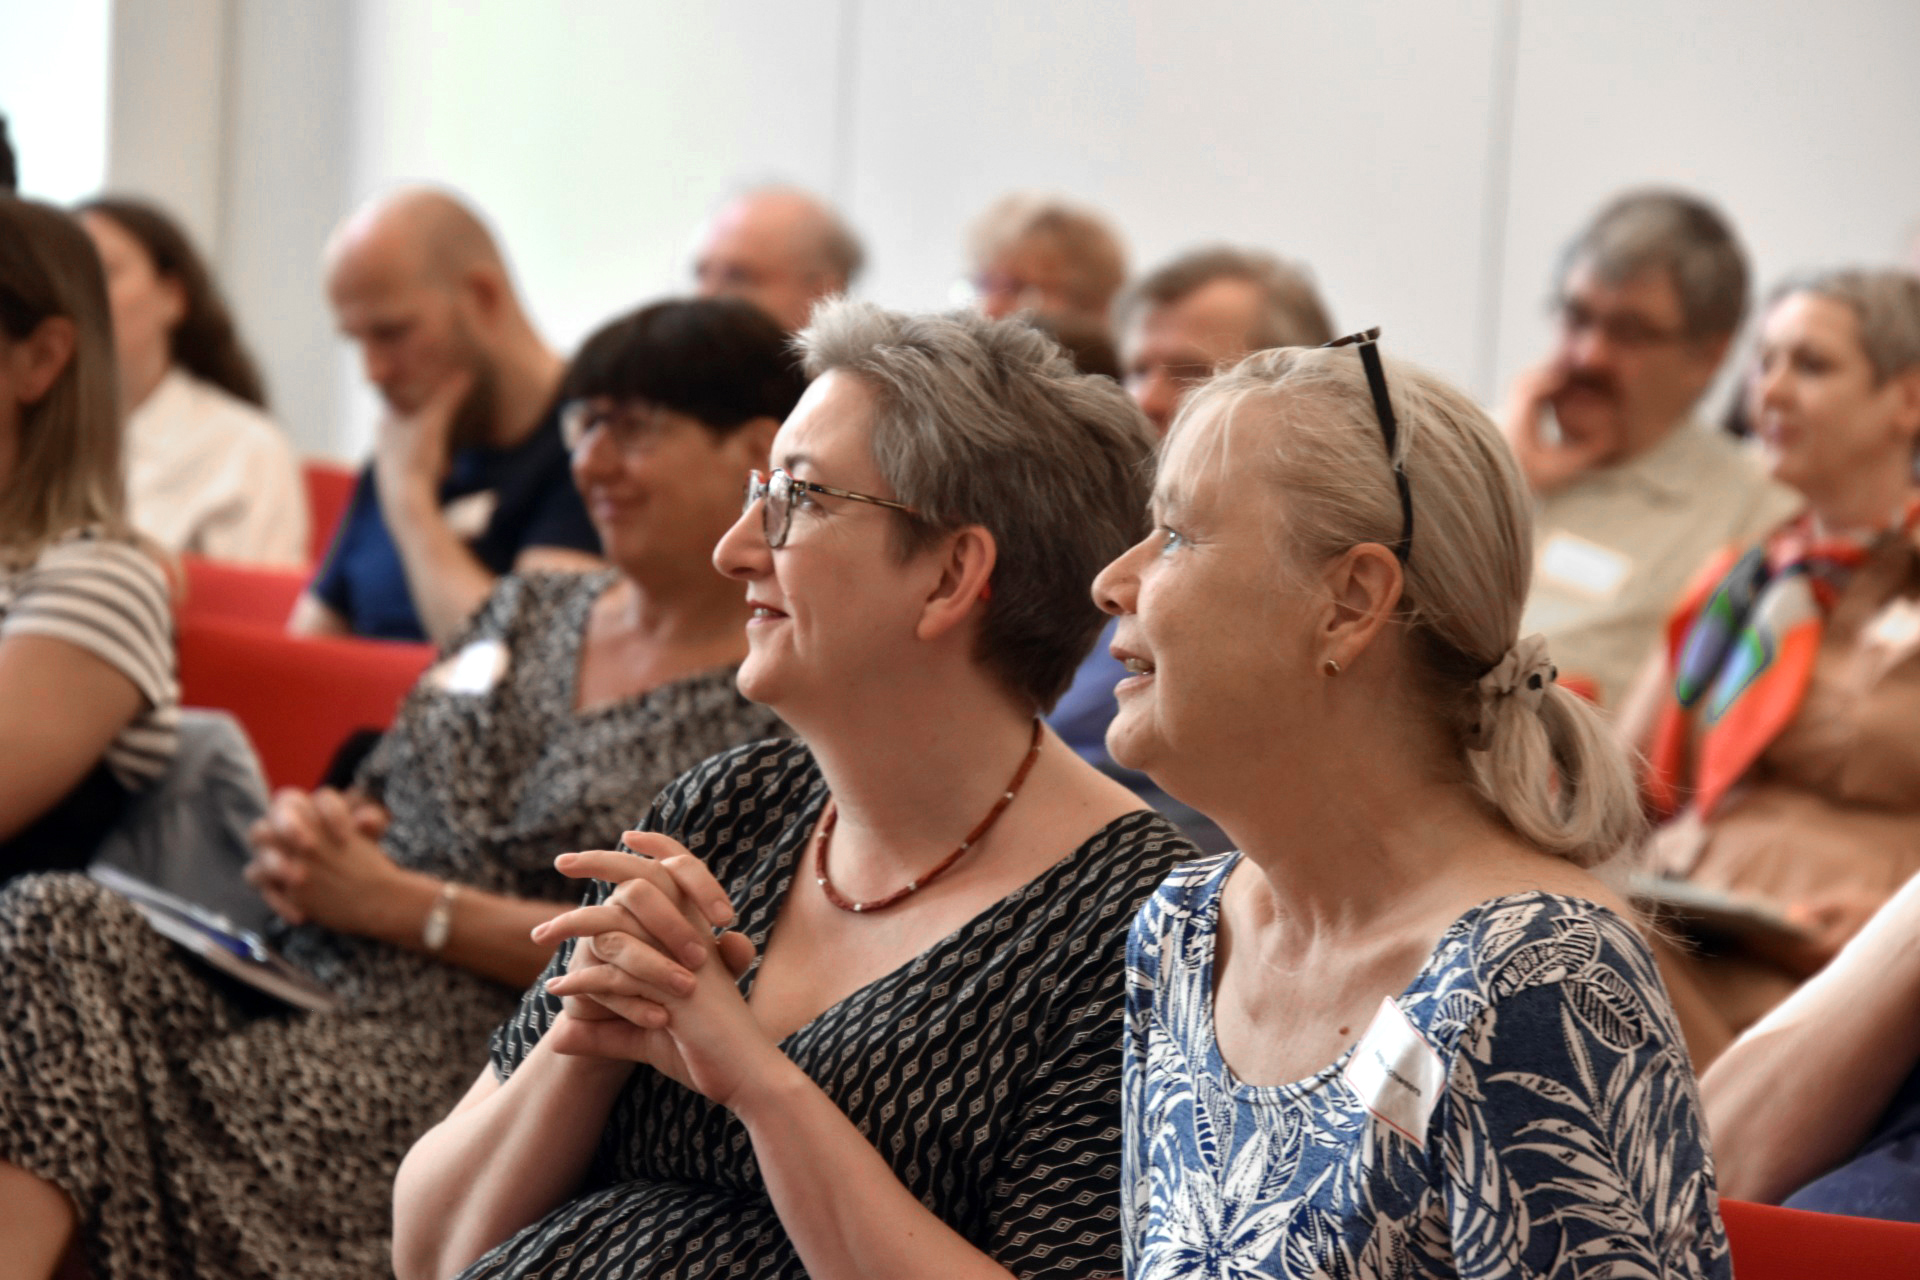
x: 649, y: 980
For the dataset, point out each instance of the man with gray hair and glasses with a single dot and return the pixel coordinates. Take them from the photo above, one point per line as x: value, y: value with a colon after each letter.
x: 1633, y: 492
x: 1207, y: 310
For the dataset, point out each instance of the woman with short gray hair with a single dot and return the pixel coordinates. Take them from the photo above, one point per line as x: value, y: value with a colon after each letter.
x: 1783, y: 722
x: 1407, y: 1030
x: 905, y: 1058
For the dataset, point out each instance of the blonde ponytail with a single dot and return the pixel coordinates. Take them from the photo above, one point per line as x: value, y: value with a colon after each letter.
x: 1542, y: 757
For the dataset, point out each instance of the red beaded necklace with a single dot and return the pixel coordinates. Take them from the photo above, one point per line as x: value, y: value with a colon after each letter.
x: 832, y: 816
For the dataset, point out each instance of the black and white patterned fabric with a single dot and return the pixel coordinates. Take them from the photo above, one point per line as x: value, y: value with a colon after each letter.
x: 199, y: 1137
x: 986, y: 1071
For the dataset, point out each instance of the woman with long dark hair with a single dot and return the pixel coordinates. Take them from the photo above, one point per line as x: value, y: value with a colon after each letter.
x: 207, y: 470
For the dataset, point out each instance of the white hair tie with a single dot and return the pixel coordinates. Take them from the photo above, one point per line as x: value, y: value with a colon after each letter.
x: 1524, y: 673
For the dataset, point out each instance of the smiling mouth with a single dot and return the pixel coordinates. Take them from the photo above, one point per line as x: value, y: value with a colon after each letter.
x: 761, y: 611
x: 1138, y: 666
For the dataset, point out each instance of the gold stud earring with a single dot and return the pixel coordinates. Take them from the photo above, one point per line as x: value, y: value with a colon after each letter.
x: 1329, y: 668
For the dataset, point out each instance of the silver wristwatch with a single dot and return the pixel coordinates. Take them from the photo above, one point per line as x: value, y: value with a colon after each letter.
x: 439, y: 922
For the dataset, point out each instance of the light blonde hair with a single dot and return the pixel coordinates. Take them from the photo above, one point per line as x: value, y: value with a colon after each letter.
x: 67, y: 472
x: 1552, y: 770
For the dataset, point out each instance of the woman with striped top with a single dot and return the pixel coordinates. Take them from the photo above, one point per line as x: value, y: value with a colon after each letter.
x: 88, y: 692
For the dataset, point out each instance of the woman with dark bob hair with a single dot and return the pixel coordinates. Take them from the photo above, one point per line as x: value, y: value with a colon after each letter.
x: 88, y: 694
x: 905, y: 1058
x: 207, y: 470
x: 184, y: 1133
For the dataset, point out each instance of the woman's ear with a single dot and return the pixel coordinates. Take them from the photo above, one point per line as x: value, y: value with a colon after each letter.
x: 41, y: 356
x: 1363, y: 587
x: 966, y: 567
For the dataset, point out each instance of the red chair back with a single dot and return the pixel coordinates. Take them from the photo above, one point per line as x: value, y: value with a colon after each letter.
x: 298, y: 698
x: 1791, y: 1244
x: 329, y: 489
x: 243, y: 593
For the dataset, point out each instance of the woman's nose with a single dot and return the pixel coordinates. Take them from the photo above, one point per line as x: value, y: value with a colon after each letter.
x: 1115, y: 587
x: 742, y: 551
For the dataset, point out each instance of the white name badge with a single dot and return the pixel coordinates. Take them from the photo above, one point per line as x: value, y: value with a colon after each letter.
x: 1582, y: 567
x: 476, y: 669
x: 1896, y: 627
x: 469, y: 515
x: 1396, y: 1074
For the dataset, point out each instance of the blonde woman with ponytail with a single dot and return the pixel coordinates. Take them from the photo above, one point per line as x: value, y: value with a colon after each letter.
x: 1409, y: 1028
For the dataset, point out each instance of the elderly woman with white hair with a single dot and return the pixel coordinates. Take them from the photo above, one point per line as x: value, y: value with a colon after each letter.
x: 917, y: 1068
x: 1407, y: 1029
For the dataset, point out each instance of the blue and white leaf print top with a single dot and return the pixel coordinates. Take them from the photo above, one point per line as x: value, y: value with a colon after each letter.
x: 1566, y: 1139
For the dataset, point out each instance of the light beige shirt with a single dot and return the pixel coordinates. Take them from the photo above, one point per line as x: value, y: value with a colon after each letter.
x: 1614, y: 549
x: 210, y: 474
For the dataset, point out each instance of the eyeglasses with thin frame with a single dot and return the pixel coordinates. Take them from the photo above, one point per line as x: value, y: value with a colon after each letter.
x: 779, y: 490
x: 1620, y: 328
x: 1368, y: 340
x: 635, y: 425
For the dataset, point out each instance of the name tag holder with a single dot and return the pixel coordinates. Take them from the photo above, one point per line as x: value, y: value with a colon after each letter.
x: 1396, y: 1074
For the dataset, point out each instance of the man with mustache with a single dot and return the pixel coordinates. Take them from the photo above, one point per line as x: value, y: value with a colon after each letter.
x: 1633, y: 493
x: 469, y: 477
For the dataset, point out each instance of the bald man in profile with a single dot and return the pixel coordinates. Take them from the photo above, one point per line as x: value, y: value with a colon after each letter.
x: 469, y: 477
x: 780, y: 249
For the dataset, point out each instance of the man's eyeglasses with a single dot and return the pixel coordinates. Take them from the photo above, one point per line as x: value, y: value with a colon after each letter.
x: 1620, y: 328
x: 1368, y: 341
x: 780, y: 491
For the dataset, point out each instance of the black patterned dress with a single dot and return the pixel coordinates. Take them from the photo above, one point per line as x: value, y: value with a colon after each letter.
x: 986, y: 1071
x: 199, y: 1137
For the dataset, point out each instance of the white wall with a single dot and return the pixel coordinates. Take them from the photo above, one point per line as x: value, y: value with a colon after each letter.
x: 53, y: 91
x: 1426, y: 160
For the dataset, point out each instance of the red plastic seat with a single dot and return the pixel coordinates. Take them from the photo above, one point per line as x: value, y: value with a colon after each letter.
x: 329, y: 489
x: 1791, y: 1244
x: 298, y: 698
x: 242, y: 593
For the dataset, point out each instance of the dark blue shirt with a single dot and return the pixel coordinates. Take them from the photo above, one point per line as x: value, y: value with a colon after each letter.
x: 534, y: 505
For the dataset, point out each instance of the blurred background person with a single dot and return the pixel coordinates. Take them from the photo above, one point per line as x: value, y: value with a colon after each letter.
x: 1817, y: 1105
x: 88, y: 691
x: 208, y: 471
x: 139, y: 1090
x: 1783, y: 723
x: 469, y: 474
x: 1204, y: 311
x: 1039, y: 253
x: 779, y: 248
x: 1633, y: 493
